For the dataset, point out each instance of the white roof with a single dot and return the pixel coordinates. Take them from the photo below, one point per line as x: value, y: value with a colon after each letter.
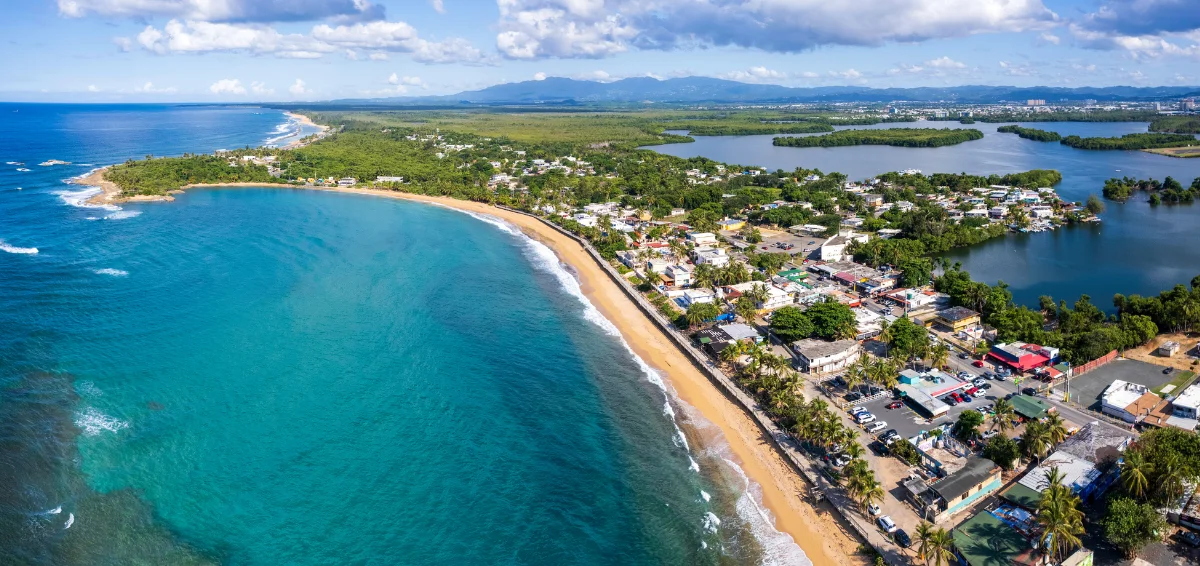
x: 1190, y: 397
x: 739, y: 331
x: 1122, y: 393
x: 1077, y: 472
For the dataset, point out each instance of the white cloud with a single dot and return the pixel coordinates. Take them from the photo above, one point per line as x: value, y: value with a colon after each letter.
x: 756, y: 75
x: 848, y: 74
x: 539, y: 76
x: 809, y: 75
x: 438, y: 6
x: 352, y: 55
x: 92, y: 88
x: 379, y: 36
x: 298, y: 88
x: 409, y: 81
x: 1017, y: 69
x: 945, y: 63
x: 1051, y: 38
x: 260, y: 88
x: 149, y: 88
x: 123, y: 43
x: 228, y: 86
x: 225, y: 10
x: 532, y: 29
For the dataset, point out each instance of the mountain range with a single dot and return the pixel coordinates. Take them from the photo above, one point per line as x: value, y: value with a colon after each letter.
x: 693, y: 90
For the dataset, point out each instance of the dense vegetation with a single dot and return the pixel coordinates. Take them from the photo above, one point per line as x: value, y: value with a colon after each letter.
x: 1168, y: 191
x: 900, y: 137
x: 1155, y: 470
x: 1176, y: 124
x: 157, y: 176
x: 1030, y: 133
x: 1131, y: 141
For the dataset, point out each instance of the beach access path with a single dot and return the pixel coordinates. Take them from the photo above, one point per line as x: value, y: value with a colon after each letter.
x: 769, y: 459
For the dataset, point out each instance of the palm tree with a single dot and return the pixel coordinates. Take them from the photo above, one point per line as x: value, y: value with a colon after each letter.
x: 694, y: 317
x: 732, y: 351
x: 704, y: 276
x: 1169, y: 478
x: 941, y: 550
x: 872, y: 492
x: 853, y: 449
x: 923, y: 536
x: 1002, y: 416
x: 758, y: 293
x: 856, y: 374
x: 939, y: 355
x: 746, y: 308
x: 1060, y: 517
x: 1035, y: 441
x: 1056, y: 431
x: 1134, y: 471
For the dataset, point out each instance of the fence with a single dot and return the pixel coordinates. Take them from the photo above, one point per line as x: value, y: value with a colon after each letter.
x: 1080, y: 370
x: 782, y: 440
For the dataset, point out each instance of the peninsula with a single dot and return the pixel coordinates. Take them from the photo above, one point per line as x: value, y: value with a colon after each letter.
x: 899, y: 137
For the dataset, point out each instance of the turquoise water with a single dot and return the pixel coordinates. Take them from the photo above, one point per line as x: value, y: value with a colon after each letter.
x: 275, y: 376
x: 1136, y: 249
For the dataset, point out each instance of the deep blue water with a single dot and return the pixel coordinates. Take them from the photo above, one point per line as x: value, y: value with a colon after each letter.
x: 1136, y: 249
x: 275, y: 376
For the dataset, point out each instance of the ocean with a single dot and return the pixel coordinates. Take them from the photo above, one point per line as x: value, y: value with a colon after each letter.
x: 276, y: 376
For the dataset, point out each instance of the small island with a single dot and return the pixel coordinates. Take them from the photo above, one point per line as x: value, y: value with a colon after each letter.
x: 1030, y: 133
x: 1132, y: 141
x: 898, y: 137
x: 1176, y: 125
x: 1168, y: 191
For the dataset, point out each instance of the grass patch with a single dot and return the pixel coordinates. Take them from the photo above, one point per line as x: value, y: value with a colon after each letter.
x: 1181, y: 381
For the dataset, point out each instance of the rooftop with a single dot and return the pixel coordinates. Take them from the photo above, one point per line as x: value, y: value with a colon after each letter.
x: 1125, y: 394
x: 1190, y: 397
x: 1095, y: 443
x: 985, y: 540
x: 974, y: 473
x: 1029, y: 407
x: 739, y: 331
x: 1077, y: 472
x: 955, y: 314
x: 812, y: 348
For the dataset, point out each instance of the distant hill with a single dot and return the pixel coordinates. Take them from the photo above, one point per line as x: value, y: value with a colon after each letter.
x: 690, y: 90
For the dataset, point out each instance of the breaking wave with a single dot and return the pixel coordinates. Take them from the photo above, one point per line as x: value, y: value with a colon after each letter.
x: 111, y: 271
x: 93, y: 422
x: 6, y: 247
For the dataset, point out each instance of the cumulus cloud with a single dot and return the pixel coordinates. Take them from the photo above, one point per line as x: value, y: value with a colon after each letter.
x: 1142, y: 28
x: 756, y: 75
x: 227, y: 10
x: 409, y: 81
x: 539, y: 76
x: 149, y: 88
x: 945, y: 63
x: 260, y: 88
x: 298, y: 88
x: 438, y: 6
x: 93, y: 88
x: 1051, y: 38
x: 532, y: 29
x: 380, y: 36
x: 228, y: 86
x: 1017, y: 69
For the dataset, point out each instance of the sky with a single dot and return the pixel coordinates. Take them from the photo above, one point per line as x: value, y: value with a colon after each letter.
x: 304, y: 50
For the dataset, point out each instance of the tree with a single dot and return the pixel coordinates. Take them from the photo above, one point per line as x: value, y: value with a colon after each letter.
x: 1056, y: 429
x: 1135, y: 472
x: 923, y: 536
x: 1003, y: 415
x: 1058, y: 513
x: 942, y: 548
x: 791, y: 324
x: 698, y: 313
x: 831, y: 320
x: 1035, y: 441
x: 967, y: 426
x: 1094, y: 205
x: 915, y: 271
x: 1002, y: 450
x: 1130, y: 525
x: 907, y: 338
x: 704, y: 276
x: 939, y: 355
x: 745, y: 308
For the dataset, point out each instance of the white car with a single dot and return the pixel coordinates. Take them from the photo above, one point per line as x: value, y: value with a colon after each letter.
x: 886, y: 523
x: 978, y: 382
x: 841, y: 461
x: 855, y: 411
x: 874, y: 510
x: 864, y: 418
x: 876, y: 426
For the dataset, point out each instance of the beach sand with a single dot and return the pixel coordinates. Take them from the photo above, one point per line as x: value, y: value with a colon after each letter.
x: 819, y: 532
x: 304, y: 121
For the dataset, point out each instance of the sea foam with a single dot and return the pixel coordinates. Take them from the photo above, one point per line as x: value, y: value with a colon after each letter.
x: 111, y: 271
x: 79, y: 199
x: 6, y: 247
x: 93, y: 422
x: 70, y: 521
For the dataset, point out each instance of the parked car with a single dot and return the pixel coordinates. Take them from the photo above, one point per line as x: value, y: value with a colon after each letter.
x: 902, y: 538
x: 1190, y: 538
x: 842, y: 461
x: 1029, y: 391
x: 876, y: 426
x: 895, y: 405
x: 967, y: 398
x: 1168, y: 370
x: 972, y: 390
x: 989, y: 433
x: 964, y: 357
x: 886, y: 523
x: 964, y: 375
x: 985, y: 387
x: 857, y: 410
x: 1001, y: 377
x: 864, y: 418
x: 988, y: 375
x: 980, y: 382
x: 951, y: 401
x: 977, y: 363
x: 874, y: 509
x: 853, y: 396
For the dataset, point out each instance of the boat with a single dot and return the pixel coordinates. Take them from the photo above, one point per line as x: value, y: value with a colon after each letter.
x: 22, y: 169
x: 52, y: 162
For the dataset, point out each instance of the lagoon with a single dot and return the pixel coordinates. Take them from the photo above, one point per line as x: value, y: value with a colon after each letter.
x: 1136, y: 249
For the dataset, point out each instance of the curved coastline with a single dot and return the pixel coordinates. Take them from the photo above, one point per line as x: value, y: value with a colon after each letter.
x: 820, y: 534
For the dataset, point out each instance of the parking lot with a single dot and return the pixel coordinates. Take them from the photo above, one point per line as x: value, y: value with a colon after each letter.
x: 1087, y: 388
x: 909, y: 422
x: 772, y: 240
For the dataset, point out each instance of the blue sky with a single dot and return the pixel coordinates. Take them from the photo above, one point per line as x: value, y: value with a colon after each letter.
x: 282, y: 50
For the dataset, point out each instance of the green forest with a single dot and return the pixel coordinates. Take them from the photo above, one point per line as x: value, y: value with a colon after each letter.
x: 1072, y: 116
x: 157, y: 176
x: 1030, y: 133
x: 1176, y: 124
x: 1132, y: 141
x: 900, y: 137
x: 1168, y: 191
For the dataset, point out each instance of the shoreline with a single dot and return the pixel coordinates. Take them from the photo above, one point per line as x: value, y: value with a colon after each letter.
x: 818, y: 532
x: 303, y: 121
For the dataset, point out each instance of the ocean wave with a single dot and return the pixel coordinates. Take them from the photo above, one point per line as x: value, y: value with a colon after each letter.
x: 93, y: 422
x: 705, y: 495
x: 711, y: 522
x: 6, y: 247
x: 89, y: 389
x: 289, y: 129
x: 70, y: 521
x: 123, y: 214
x: 54, y: 511
x: 79, y: 199
x: 778, y: 547
x: 111, y: 271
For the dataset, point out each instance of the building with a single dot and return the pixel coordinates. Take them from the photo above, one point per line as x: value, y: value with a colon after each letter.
x: 1187, y: 404
x: 712, y: 256
x: 389, y: 179
x: 986, y: 540
x: 731, y: 224
x: 1030, y: 408
x: 819, y: 356
x: 681, y: 275
x: 926, y: 389
x: 1035, y: 102
x: 872, y: 200
x: 1096, y: 444
x: 347, y: 182
x: 976, y: 480
x: 1168, y: 349
x: 834, y: 249
x: 702, y: 238
x: 1129, y: 402
x: 957, y: 318
x: 1078, y: 474
x: 741, y: 332
x: 1023, y: 357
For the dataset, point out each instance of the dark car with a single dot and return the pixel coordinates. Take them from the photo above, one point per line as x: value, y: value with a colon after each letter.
x: 853, y: 396
x: 1029, y: 391
x: 1168, y: 370
x: 901, y: 538
x: 964, y: 357
x: 985, y: 387
x: 1190, y: 538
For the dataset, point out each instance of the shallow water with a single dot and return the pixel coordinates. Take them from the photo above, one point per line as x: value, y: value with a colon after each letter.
x: 275, y: 376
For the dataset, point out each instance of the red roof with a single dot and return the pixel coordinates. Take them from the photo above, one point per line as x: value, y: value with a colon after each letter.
x: 1027, y: 362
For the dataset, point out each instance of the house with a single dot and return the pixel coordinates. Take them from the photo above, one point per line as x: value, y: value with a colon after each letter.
x: 1041, y: 212
x: 834, y: 249
x: 741, y: 332
x: 389, y: 179
x: 1079, y: 475
x: 586, y: 220
x: 819, y: 356
x: 776, y: 298
x: 690, y: 297
x: 1168, y: 349
x: 1187, y: 404
x: 976, y: 213
x: 853, y: 222
x: 976, y: 480
x: 681, y: 275
x: 712, y: 256
x: 1127, y: 401
x: 731, y: 224
x: 1023, y: 357
x: 347, y: 182
x: 912, y: 298
x: 868, y: 323
x: 957, y: 318
x: 872, y: 200
x: 998, y: 212
x: 702, y: 238
x: 1030, y: 408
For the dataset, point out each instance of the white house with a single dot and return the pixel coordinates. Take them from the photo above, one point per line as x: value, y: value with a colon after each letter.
x: 586, y: 220
x: 712, y: 256
x: 819, y: 356
x: 696, y: 296
x: 1187, y: 404
x: 702, y: 238
x: 1128, y: 401
x: 681, y: 274
x: 776, y: 298
x: 1041, y: 212
x: 834, y: 249
x: 347, y: 182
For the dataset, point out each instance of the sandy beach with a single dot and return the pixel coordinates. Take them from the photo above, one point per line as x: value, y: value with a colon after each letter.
x: 818, y: 532
x: 304, y: 121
